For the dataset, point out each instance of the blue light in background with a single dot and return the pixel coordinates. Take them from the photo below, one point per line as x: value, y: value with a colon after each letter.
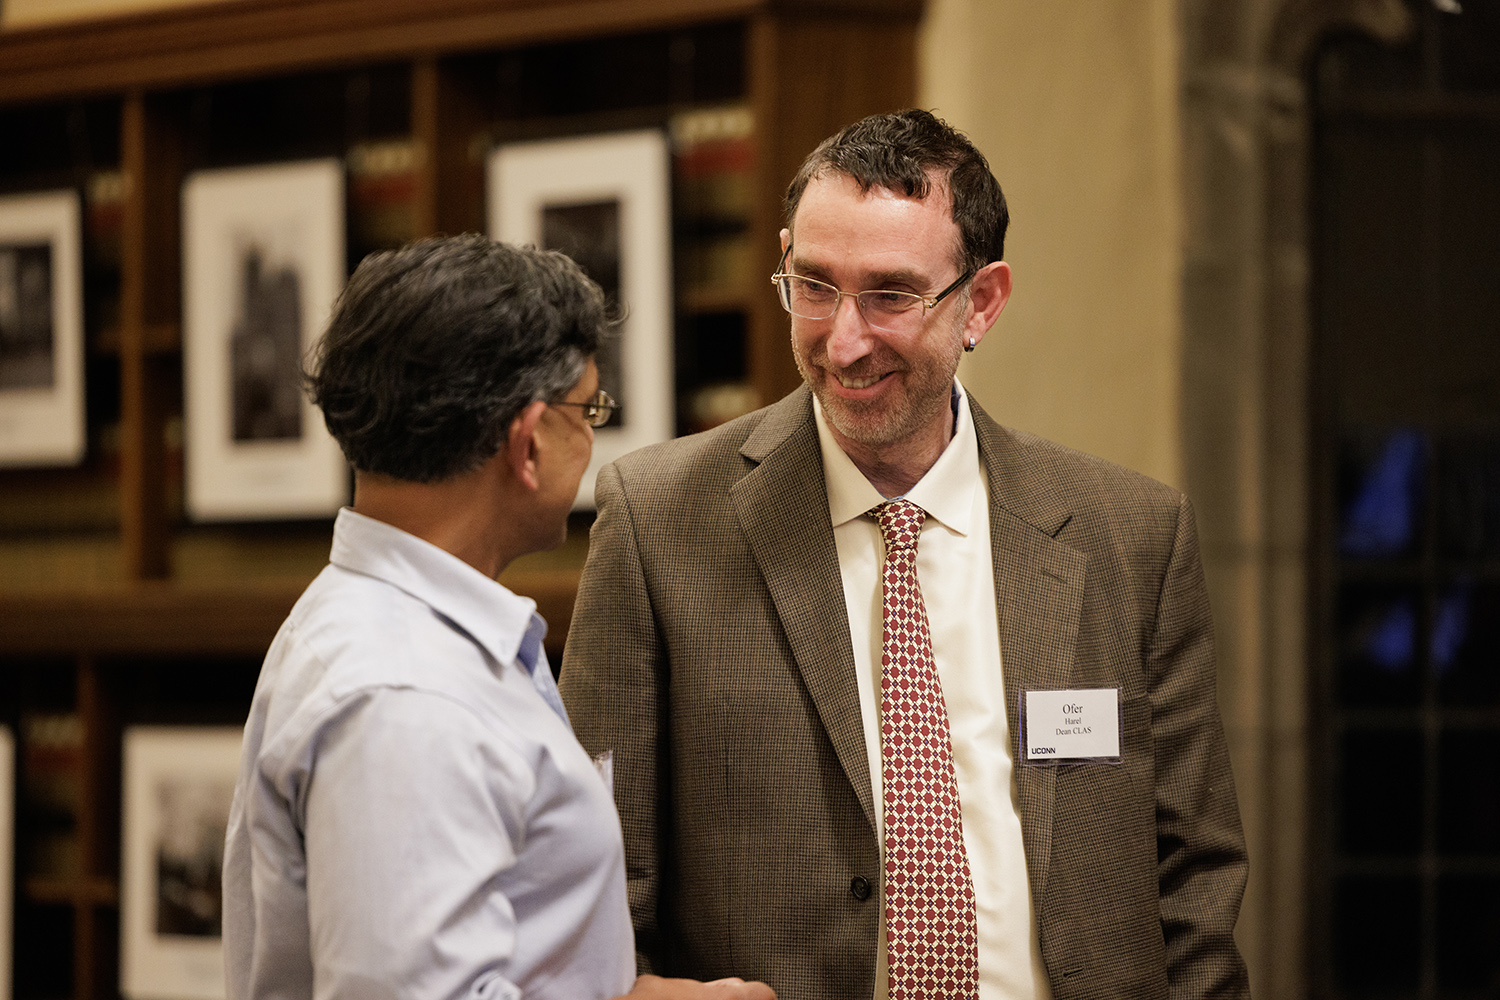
x: 1451, y: 627
x: 1382, y: 517
x: 1393, y: 641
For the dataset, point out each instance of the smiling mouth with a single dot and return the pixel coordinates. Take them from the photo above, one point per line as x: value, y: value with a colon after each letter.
x: 858, y: 383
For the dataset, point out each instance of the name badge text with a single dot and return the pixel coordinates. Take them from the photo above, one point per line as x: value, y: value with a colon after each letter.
x: 1070, y: 726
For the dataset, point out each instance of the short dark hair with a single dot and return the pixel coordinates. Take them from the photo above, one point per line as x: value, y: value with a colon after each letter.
x: 433, y: 350
x: 896, y: 151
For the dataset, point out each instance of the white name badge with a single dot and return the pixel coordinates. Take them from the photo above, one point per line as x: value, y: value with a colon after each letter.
x: 1070, y: 726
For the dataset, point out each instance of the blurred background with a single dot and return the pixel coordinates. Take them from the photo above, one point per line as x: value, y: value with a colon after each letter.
x: 1256, y: 247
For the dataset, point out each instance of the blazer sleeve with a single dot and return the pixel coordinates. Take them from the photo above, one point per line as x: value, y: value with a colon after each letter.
x: 1201, y: 857
x: 613, y: 683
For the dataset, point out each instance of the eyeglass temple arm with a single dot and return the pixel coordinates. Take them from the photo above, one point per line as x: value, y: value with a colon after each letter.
x: 775, y: 277
x: 940, y: 296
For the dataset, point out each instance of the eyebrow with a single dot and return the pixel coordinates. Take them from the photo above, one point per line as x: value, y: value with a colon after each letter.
x: 883, y: 279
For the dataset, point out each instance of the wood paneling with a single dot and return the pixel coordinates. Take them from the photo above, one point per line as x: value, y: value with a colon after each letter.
x: 810, y: 76
x: 250, y: 37
x: 244, y: 81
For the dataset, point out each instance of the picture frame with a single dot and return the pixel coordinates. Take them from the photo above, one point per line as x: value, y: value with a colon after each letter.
x: 177, y: 788
x: 41, y: 330
x: 263, y: 262
x: 7, y: 855
x: 605, y: 200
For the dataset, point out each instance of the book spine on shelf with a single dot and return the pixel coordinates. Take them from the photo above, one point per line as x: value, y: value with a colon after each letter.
x: 713, y: 160
x: 50, y: 794
x: 382, y: 195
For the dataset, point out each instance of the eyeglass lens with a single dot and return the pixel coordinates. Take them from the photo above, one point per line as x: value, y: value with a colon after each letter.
x: 599, y: 409
x: 808, y: 298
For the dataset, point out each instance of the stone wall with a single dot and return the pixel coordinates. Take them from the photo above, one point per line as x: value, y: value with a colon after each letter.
x: 1156, y: 157
x: 1076, y: 107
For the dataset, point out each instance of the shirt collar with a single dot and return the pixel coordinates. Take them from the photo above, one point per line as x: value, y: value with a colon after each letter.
x: 945, y: 492
x: 505, y: 624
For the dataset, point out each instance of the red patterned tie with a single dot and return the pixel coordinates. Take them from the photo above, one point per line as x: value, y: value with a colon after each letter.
x: 929, y: 896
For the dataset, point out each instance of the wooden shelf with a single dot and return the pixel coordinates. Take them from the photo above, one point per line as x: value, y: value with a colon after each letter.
x: 146, y: 618
x: 714, y: 300
x: 213, y: 42
x: 79, y: 892
x: 153, y: 97
x: 157, y: 339
x: 160, y: 618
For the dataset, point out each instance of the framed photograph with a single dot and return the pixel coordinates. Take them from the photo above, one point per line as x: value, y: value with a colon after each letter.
x: 41, y: 330
x: 177, y: 789
x: 7, y: 853
x: 263, y: 261
x: 605, y: 201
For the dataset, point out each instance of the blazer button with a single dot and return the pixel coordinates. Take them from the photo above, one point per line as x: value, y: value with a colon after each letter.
x: 859, y: 888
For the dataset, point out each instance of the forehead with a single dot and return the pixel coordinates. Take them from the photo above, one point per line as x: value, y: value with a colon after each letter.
x: 874, y: 231
x: 588, y: 382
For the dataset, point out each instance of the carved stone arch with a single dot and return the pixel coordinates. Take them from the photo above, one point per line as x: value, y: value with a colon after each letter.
x: 1300, y: 25
x: 1246, y: 126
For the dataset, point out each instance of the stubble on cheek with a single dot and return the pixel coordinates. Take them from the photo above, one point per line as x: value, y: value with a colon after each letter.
x: 920, y: 394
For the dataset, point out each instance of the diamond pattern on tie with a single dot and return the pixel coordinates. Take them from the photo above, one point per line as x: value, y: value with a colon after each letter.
x: 929, y: 895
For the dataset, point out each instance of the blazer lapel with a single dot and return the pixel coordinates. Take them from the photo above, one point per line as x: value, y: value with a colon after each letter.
x: 782, y: 507
x: 1039, y: 595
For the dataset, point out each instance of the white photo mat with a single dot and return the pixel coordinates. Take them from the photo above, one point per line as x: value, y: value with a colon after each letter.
x: 41, y: 330
x: 7, y: 855
x: 263, y: 261
x: 177, y: 788
x: 620, y: 182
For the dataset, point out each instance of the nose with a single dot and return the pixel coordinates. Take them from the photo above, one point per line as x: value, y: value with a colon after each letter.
x: 849, y: 339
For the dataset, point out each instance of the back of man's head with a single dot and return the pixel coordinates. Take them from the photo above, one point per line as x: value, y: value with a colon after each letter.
x: 901, y: 151
x: 433, y: 349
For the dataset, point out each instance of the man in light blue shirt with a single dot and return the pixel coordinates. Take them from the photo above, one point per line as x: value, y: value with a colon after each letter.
x: 413, y: 817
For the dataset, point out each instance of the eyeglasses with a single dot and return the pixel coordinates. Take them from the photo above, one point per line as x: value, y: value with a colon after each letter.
x: 597, y: 409
x: 891, y: 311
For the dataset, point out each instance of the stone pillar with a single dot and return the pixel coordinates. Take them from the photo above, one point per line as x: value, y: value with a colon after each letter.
x: 1246, y: 425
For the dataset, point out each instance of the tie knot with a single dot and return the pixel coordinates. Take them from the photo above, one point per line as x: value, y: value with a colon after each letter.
x: 900, y: 523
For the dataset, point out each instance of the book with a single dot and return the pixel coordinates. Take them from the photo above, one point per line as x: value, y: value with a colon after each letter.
x: 51, y: 790
x: 382, y: 194
x: 713, y: 164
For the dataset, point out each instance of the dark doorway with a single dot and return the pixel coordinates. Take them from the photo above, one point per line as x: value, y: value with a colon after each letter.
x: 1406, y: 408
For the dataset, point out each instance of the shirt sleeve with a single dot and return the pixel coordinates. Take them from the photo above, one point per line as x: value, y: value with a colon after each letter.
x: 410, y: 813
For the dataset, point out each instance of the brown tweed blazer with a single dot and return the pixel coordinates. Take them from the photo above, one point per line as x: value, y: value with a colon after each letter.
x: 710, y: 652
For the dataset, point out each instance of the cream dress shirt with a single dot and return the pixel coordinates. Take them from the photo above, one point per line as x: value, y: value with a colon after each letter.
x: 955, y: 570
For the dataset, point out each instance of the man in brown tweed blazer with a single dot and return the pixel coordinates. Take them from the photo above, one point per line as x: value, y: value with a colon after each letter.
x: 721, y: 646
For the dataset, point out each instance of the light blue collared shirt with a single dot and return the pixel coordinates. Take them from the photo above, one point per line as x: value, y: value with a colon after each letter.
x: 414, y: 817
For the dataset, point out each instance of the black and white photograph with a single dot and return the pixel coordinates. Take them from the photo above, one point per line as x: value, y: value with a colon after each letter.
x: 41, y: 375
x: 177, y: 789
x: 190, y: 854
x: 266, y: 352
x: 604, y: 201
x: 589, y: 232
x: 263, y: 260
x: 27, y: 344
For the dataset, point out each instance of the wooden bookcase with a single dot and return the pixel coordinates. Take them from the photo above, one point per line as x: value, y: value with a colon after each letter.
x: 114, y: 608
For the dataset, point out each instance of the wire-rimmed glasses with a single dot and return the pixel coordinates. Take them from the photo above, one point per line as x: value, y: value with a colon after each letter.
x: 597, y: 409
x: 883, y: 309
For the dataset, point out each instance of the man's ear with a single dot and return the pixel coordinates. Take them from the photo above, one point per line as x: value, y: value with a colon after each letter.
x: 988, y: 293
x: 521, y: 445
